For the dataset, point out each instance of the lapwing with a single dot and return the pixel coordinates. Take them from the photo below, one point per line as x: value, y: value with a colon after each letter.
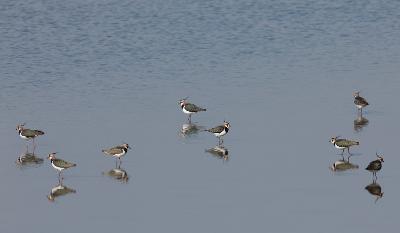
x: 189, y: 108
x: 375, y: 165
x: 28, y: 134
x: 59, y: 164
x: 117, y: 151
x: 220, y: 131
x: 359, y: 101
x: 343, y: 144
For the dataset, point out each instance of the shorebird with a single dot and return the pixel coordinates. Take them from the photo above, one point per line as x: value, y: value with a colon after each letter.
x: 220, y: 131
x: 359, y: 101
x: 59, y: 164
x: 189, y: 108
x: 117, y: 151
x: 343, y: 144
x: 28, y: 134
x: 375, y: 165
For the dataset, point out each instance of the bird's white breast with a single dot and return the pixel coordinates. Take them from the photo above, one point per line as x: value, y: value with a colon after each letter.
x: 186, y: 111
x: 220, y: 134
x: 57, y: 168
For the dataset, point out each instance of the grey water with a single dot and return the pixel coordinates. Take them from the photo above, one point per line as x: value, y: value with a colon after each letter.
x: 94, y: 74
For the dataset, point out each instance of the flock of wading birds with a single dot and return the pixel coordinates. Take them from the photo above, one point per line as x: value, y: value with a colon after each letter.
x: 219, y: 131
x: 345, y: 144
x: 120, y: 150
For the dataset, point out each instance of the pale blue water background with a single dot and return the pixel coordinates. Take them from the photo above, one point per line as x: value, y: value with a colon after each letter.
x: 93, y: 74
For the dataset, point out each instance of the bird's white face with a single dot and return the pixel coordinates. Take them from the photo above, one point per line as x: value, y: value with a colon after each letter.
x: 126, y: 146
x: 51, y: 156
x: 182, y: 102
x: 226, y: 124
x: 333, y: 140
x: 20, y: 127
x: 380, y: 158
x: 357, y: 93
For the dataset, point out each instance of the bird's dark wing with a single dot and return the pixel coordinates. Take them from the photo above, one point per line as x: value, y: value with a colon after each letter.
x: 360, y: 101
x: 31, y: 132
x: 346, y: 143
x: 193, y: 108
x: 217, y: 129
x: 63, y: 164
x: 374, y: 165
x: 114, y: 150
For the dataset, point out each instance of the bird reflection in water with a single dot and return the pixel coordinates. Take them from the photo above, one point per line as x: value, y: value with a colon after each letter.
x: 58, y: 191
x: 360, y: 122
x: 118, y: 174
x: 343, y: 165
x: 190, y: 129
x: 219, y: 152
x: 28, y: 159
x: 375, y: 190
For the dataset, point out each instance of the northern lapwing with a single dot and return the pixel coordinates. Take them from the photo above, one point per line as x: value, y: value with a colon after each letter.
x: 359, y: 101
x: 117, y: 151
x: 28, y: 134
x: 220, y: 131
x: 375, y: 165
x: 343, y: 144
x: 59, y: 164
x: 189, y: 108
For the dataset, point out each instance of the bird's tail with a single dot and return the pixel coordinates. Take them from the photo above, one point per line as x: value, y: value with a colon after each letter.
x: 39, y: 132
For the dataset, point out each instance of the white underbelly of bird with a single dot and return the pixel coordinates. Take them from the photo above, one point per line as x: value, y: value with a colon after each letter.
x: 120, y: 154
x: 186, y: 111
x: 220, y: 134
x: 339, y: 147
x: 23, y: 137
x: 57, y: 168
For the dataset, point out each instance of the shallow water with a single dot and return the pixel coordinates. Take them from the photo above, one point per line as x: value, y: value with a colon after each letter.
x: 93, y: 74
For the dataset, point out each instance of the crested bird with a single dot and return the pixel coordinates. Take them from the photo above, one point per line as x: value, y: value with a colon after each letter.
x: 359, y: 101
x: 189, y: 108
x: 220, y: 131
x: 59, y: 164
x: 343, y: 144
x: 117, y: 151
x: 375, y: 166
x: 28, y: 134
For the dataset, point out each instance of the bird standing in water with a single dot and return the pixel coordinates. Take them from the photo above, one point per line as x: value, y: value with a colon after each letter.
x: 59, y: 164
x: 189, y: 108
x: 220, y: 131
x: 375, y: 165
x: 28, y: 134
x: 359, y: 101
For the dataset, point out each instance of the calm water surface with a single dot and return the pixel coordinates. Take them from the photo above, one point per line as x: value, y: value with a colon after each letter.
x: 93, y: 74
